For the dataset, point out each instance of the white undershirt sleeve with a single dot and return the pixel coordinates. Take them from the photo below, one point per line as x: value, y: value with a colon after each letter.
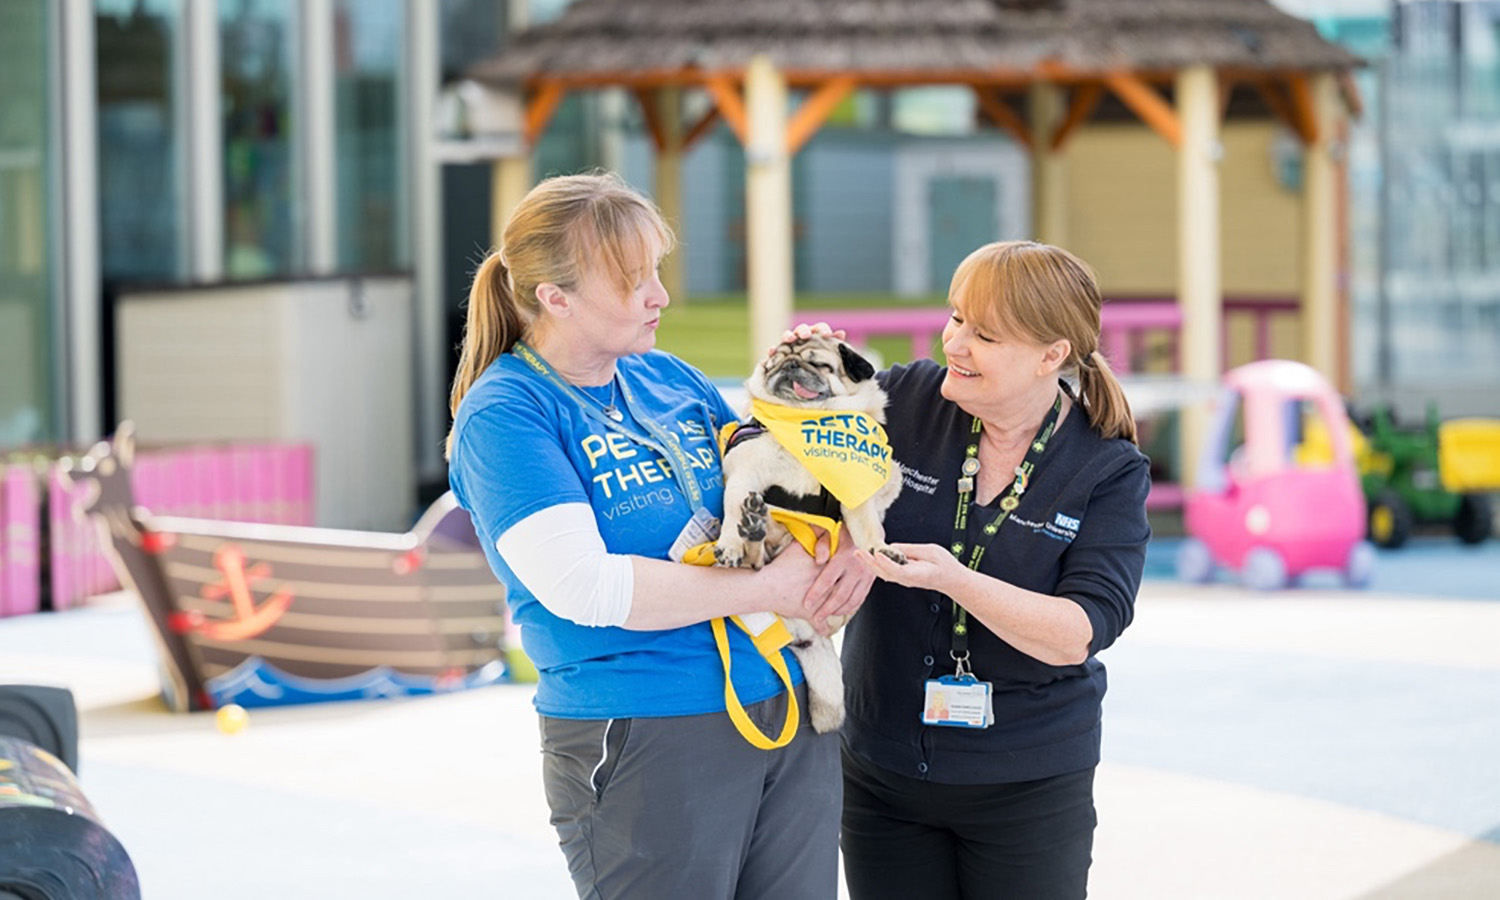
x: 560, y: 557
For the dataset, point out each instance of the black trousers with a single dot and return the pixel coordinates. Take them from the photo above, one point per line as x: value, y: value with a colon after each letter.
x: 905, y: 839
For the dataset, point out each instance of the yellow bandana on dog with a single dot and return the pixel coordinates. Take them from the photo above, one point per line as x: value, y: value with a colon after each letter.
x: 845, y: 450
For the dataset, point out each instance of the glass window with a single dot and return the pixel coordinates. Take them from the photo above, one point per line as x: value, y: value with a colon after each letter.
x: 140, y: 188
x: 26, y: 159
x: 367, y: 79
x: 547, y: 10
x: 261, y: 212
x: 941, y: 110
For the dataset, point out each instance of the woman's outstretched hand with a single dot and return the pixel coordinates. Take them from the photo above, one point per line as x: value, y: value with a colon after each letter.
x: 927, y: 566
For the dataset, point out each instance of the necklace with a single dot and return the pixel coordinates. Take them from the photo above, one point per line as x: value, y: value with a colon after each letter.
x: 610, y: 409
x: 660, y: 439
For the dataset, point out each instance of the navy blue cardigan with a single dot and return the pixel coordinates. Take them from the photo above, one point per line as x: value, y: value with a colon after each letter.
x: 1080, y: 532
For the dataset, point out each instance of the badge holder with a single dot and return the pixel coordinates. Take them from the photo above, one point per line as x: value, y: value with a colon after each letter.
x: 959, y: 700
x: 695, y: 543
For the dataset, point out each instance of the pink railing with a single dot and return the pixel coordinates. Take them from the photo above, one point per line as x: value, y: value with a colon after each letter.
x: 20, y: 540
x: 1125, y: 325
x: 1126, y: 329
x: 267, y: 483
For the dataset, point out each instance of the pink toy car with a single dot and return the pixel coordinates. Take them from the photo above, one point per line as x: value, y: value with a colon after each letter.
x: 1270, y: 509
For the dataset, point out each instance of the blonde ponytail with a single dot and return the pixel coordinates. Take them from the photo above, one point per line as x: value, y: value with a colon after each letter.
x: 492, y: 326
x: 1104, y: 398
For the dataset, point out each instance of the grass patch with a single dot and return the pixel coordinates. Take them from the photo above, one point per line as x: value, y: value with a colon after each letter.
x: 712, y: 333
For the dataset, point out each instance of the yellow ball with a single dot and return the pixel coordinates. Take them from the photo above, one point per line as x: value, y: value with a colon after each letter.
x: 232, y: 719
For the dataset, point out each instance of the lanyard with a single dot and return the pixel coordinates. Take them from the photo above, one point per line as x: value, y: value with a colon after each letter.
x: 1012, y: 499
x: 661, y: 440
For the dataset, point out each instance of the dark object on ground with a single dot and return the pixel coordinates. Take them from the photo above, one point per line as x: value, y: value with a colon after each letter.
x: 44, y: 716
x: 52, y: 844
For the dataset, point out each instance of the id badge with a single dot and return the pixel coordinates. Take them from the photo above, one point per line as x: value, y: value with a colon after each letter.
x: 702, y: 528
x: 958, y: 701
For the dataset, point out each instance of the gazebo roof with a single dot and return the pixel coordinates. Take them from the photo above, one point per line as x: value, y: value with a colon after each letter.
x: 908, y: 41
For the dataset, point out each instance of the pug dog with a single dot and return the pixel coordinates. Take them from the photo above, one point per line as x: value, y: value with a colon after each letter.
x: 813, y: 374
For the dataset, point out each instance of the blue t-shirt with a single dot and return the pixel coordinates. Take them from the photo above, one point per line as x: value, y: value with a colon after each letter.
x: 521, y: 444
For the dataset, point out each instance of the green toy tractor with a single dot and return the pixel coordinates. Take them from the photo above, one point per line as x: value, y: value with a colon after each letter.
x: 1440, y: 473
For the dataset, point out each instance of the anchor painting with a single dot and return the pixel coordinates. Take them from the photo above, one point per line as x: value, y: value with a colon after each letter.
x: 261, y: 615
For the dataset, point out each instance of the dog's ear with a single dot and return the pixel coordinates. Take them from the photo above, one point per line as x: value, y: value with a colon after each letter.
x: 855, y: 366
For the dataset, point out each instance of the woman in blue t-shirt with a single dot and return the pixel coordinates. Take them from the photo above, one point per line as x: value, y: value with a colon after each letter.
x: 973, y: 691
x: 589, y: 462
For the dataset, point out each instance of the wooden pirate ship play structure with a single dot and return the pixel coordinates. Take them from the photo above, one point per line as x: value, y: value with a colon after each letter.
x: 262, y: 615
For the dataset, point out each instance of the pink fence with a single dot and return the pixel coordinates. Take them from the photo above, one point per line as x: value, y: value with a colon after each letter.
x: 267, y: 483
x: 1128, y: 328
x: 76, y: 563
x: 1122, y: 327
x: 20, y: 540
x: 1125, y: 325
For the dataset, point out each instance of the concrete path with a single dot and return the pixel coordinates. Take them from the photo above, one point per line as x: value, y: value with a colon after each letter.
x: 1316, y: 744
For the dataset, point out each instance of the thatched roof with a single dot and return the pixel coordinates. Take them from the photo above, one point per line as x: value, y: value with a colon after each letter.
x: 908, y: 40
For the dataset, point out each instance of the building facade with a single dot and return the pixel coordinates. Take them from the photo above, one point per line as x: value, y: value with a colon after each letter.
x: 203, y: 142
x: 157, y: 143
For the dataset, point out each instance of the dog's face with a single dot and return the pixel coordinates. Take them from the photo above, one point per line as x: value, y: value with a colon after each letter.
x: 819, y: 372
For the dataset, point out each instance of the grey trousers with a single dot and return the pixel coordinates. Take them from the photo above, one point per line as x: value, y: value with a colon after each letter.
x: 684, y: 807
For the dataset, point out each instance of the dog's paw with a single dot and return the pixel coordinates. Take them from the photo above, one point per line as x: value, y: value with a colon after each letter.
x: 891, y: 553
x: 827, y: 714
x: 754, y: 518
x: 728, y: 556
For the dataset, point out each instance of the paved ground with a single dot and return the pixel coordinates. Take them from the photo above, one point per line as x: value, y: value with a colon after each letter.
x: 1316, y: 743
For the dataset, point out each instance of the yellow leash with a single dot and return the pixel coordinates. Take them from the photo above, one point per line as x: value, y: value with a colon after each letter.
x: 767, y: 631
x: 769, y: 634
x: 769, y: 642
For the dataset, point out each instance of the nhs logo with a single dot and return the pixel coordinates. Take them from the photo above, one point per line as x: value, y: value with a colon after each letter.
x: 1066, y: 522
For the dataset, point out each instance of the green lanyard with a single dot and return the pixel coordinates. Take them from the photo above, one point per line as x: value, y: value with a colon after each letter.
x: 661, y: 440
x: 1012, y: 499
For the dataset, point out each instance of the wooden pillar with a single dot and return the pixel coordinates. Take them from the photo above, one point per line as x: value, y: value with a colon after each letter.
x: 1320, y: 238
x: 510, y: 179
x: 768, y: 205
x: 1198, y: 249
x: 669, y: 186
x: 1049, y: 184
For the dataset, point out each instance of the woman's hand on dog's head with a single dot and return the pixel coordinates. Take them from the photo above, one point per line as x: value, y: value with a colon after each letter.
x: 805, y: 331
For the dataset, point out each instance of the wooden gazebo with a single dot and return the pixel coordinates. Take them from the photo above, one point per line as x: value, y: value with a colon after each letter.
x: 1039, y: 70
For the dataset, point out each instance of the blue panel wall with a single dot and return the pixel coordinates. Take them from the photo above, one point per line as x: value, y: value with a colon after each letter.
x: 845, y: 184
x: 711, y: 189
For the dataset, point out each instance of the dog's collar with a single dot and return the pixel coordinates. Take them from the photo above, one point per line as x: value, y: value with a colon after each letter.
x: 744, y: 431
